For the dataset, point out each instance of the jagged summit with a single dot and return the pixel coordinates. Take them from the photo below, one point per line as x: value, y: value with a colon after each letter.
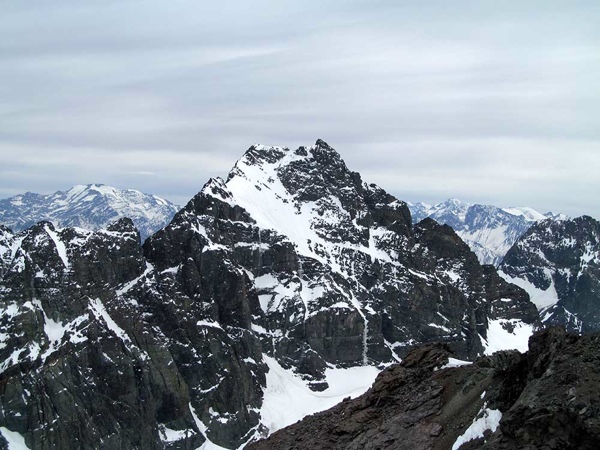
x: 319, y: 155
x: 91, y: 206
x: 290, y: 216
x: 311, y: 197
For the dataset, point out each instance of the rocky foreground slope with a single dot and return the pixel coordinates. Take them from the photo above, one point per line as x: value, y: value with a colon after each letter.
x: 293, y: 263
x: 548, y: 398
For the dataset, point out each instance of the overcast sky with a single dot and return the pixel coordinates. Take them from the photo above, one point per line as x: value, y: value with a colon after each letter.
x: 489, y: 102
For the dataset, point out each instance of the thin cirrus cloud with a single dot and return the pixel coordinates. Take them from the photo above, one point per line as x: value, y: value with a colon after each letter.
x: 486, y: 102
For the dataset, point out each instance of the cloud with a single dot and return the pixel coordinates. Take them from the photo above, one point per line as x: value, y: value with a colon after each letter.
x: 495, y: 103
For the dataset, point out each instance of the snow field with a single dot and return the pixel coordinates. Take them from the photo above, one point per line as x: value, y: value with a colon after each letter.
x: 288, y: 398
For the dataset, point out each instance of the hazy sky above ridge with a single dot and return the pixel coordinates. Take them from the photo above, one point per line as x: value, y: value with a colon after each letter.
x: 488, y: 102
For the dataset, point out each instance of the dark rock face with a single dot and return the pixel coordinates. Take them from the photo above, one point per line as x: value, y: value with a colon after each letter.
x: 6, y: 242
x: 294, y: 256
x: 561, y: 259
x: 337, y: 278
x: 80, y: 369
x: 558, y: 407
x: 544, y: 399
x: 91, y: 207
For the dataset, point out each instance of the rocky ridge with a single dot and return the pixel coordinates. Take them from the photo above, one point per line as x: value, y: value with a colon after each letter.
x: 292, y: 258
x: 545, y: 399
x: 91, y: 207
x: 558, y: 263
x: 80, y: 369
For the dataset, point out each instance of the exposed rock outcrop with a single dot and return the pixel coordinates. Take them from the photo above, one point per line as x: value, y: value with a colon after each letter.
x: 545, y: 399
x: 80, y: 368
x: 558, y: 263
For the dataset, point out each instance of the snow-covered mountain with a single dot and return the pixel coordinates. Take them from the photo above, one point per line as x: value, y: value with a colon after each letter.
x: 91, y: 207
x: 277, y: 291
x: 489, y: 231
x: 558, y: 264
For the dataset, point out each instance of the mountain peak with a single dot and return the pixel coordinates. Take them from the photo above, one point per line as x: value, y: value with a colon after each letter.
x: 261, y: 162
x: 455, y: 201
x: 322, y: 144
x: 259, y: 153
x: 453, y: 204
x: 217, y: 188
x: 558, y: 263
x: 281, y: 189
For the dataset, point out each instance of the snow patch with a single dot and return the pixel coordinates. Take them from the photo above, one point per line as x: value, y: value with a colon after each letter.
x: 542, y: 299
x: 60, y: 247
x: 529, y: 214
x: 453, y: 362
x: 489, y: 419
x: 129, y: 285
x: 15, y: 440
x: 453, y: 275
x: 208, y: 323
x: 208, y: 445
x: 499, y: 338
x: 287, y: 398
x: 100, y: 312
x: 439, y: 327
x: 167, y: 435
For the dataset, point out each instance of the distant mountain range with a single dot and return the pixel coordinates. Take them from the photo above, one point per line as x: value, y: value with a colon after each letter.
x: 92, y: 207
x: 556, y: 260
x: 490, y: 231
